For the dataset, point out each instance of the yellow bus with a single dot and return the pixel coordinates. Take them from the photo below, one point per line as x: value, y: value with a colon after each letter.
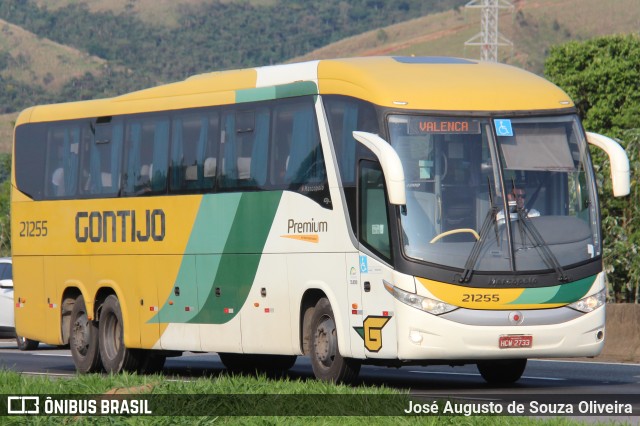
x: 356, y: 211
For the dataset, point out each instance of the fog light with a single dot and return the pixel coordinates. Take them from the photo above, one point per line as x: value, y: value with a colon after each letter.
x: 600, y: 335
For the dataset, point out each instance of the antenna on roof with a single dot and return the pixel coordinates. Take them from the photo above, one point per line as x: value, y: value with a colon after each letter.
x: 489, y: 38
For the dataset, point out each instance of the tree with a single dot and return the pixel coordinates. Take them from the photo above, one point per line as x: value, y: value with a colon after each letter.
x: 5, y: 193
x: 601, y: 75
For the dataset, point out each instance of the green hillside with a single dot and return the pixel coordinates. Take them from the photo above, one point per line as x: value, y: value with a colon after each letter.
x: 126, y: 45
x: 64, y: 50
x: 532, y: 26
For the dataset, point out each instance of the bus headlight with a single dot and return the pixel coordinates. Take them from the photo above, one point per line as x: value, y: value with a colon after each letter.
x: 434, y: 307
x: 590, y: 303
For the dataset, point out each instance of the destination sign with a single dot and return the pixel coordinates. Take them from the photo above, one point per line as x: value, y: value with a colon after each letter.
x: 460, y: 126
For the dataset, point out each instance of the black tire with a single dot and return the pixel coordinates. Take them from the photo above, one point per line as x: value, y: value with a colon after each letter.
x: 83, y: 339
x: 251, y: 363
x: 326, y: 361
x: 115, y: 356
x: 502, y: 372
x: 151, y: 361
x: 25, y: 344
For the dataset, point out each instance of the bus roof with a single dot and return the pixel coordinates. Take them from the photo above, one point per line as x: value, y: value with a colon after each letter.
x: 425, y: 83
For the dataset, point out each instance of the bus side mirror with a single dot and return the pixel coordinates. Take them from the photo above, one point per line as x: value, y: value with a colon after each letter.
x: 390, y: 163
x: 618, y: 159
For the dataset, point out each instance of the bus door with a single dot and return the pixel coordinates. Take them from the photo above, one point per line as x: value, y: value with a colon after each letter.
x: 355, y: 311
x: 378, y: 330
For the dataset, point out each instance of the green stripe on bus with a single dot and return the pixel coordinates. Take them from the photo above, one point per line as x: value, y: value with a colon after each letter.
x: 563, y: 293
x: 301, y: 88
x: 573, y: 292
x: 241, y: 257
x: 221, y: 258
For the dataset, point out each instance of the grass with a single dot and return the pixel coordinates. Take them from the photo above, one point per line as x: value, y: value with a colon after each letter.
x: 238, y: 395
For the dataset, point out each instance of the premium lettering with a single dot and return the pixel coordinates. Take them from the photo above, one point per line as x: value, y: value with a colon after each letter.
x: 294, y: 227
x: 120, y: 226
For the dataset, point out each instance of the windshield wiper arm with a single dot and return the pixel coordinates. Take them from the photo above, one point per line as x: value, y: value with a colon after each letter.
x: 490, y: 219
x: 547, y: 255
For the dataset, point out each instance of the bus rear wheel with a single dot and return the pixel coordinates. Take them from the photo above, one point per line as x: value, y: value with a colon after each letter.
x: 503, y: 371
x: 83, y: 339
x: 326, y: 361
x: 115, y: 356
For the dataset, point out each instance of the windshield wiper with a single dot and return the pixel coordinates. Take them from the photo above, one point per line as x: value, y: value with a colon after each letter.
x: 547, y: 255
x: 526, y: 226
x: 490, y: 219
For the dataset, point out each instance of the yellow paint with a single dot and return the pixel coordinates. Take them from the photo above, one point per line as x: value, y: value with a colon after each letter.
x: 480, y: 298
x: 448, y: 87
x: 139, y: 273
x: 373, y: 332
x: 209, y: 89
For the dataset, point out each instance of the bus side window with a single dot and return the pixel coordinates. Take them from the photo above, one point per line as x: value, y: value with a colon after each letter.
x: 245, y: 150
x: 62, y: 154
x: 106, y: 158
x: 193, y: 152
x: 346, y: 115
x: 305, y: 163
x: 281, y: 142
x: 146, y: 156
x: 374, y: 221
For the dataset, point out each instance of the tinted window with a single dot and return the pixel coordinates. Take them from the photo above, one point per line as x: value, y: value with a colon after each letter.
x: 271, y: 145
x: 194, y: 150
x: 374, y: 222
x: 63, y: 149
x: 146, y: 156
x: 346, y: 115
x: 101, y: 159
x: 245, y: 147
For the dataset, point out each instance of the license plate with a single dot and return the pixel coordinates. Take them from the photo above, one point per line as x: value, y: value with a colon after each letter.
x: 515, y: 341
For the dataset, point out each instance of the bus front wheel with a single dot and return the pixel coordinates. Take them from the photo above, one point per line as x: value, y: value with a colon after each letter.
x: 503, y: 371
x: 326, y: 361
x: 115, y: 356
x: 83, y: 339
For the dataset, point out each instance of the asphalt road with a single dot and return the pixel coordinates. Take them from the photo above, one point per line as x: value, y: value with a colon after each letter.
x: 551, y: 378
x: 540, y: 377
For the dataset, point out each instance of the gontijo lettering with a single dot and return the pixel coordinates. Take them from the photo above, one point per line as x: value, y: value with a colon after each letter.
x: 120, y: 226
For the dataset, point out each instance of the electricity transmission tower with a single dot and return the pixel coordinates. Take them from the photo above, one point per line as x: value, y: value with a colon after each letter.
x: 489, y: 37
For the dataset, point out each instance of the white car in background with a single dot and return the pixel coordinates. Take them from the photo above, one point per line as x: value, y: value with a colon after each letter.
x: 7, y: 322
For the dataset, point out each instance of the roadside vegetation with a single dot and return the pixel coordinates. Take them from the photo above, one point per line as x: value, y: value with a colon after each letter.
x: 322, y: 401
x: 601, y: 75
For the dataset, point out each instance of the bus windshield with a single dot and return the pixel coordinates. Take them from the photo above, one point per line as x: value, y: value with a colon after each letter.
x: 496, y: 194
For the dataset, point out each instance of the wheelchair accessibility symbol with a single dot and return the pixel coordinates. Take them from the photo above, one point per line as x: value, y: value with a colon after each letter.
x: 364, y: 267
x: 503, y: 127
